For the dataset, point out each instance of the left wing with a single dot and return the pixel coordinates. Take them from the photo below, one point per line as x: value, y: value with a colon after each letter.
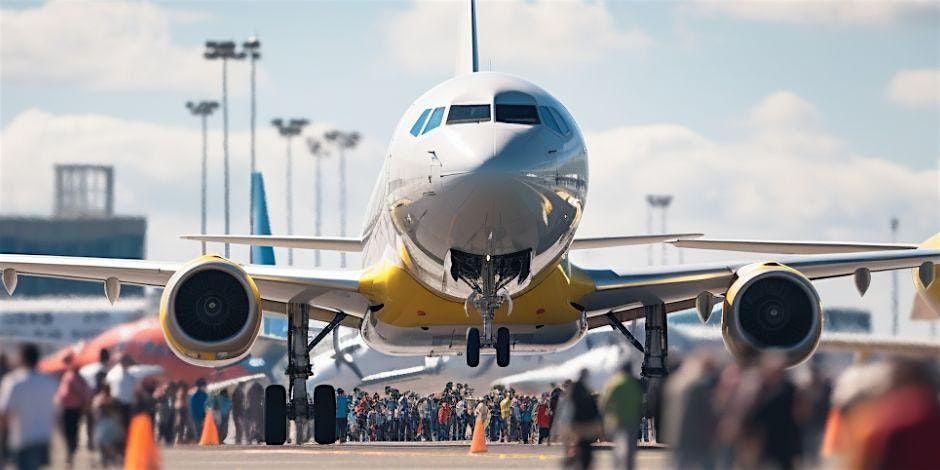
x: 327, y: 289
x: 626, y: 240
x: 788, y: 247
x: 625, y: 292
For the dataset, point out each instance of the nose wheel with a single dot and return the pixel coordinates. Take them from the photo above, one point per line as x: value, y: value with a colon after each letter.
x: 502, y: 347
x: 473, y: 347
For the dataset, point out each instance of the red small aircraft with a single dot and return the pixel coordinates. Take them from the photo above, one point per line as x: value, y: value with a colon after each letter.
x: 144, y: 342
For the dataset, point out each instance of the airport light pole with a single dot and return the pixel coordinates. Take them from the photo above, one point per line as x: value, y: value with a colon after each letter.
x: 319, y: 152
x: 224, y: 51
x: 894, y: 281
x: 290, y: 129
x: 342, y: 141
x: 661, y: 202
x: 203, y: 109
x: 252, y: 49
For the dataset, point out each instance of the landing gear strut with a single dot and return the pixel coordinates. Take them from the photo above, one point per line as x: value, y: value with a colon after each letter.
x: 281, y: 405
x: 488, y: 276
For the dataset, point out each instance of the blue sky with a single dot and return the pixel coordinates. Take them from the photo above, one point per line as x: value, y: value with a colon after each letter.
x: 807, y: 120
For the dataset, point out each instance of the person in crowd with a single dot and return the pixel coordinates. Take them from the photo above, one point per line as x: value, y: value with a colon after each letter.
x: 238, y: 412
x: 505, y: 413
x: 184, y: 426
x: 583, y: 423
x: 255, y: 408
x: 100, y: 376
x: 223, y: 412
x: 526, y: 418
x: 72, y: 398
x: 342, y: 410
x: 690, y: 419
x: 773, y: 419
x: 109, y: 427
x: 197, y: 406
x: 816, y: 393
x: 543, y: 419
x: 122, y: 384
x: 27, y: 412
x: 166, y: 417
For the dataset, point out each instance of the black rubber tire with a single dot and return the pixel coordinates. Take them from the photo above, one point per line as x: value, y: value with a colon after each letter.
x: 324, y: 414
x: 473, y: 347
x: 502, y: 347
x: 275, y: 415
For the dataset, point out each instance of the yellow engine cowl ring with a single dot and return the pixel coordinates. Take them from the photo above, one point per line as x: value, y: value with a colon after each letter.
x: 771, y: 307
x: 210, y: 312
x: 930, y: 294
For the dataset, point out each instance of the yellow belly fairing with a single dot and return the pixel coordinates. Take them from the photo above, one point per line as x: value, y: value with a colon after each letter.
x: 408, y: 303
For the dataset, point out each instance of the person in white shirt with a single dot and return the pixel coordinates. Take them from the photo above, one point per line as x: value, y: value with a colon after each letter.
x: 121, y: 381
x: 28, y: 411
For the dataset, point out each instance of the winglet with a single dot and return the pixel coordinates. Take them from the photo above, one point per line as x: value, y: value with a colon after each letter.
x: 261, y: 223
x: 467, y: 56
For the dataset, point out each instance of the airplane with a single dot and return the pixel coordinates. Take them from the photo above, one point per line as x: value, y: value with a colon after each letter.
x: 465, y: 250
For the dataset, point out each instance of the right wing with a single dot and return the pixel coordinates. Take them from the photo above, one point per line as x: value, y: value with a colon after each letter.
x: 325, y: 290
x: 787, y: 247
x: 624, y: 293
x: 626, y: 240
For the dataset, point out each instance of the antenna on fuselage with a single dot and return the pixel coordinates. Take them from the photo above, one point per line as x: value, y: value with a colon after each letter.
x: 467, y: 55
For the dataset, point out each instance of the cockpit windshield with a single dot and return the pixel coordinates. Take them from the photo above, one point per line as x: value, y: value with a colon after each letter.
x: 468, y: 113
x: 515, y: 107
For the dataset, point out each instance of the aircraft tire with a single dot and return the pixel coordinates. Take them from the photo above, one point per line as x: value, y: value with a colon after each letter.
x: 473, y: 347
x: 502, y: 347
x: 324, y: 414
x: 275, y: 415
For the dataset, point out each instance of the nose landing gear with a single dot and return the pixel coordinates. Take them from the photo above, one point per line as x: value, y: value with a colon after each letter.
x: 488, y: 276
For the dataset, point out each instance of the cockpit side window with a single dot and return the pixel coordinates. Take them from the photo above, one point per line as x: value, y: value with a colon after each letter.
x: 460, y: 113
x: 562, y: 124
x: 435, y: 120
x: 549, y: 120
x: 416, y: 129
x: 515, y: 107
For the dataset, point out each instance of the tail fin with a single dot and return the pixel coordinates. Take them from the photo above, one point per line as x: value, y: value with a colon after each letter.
x: 261, y: 223
x: 467, y: 57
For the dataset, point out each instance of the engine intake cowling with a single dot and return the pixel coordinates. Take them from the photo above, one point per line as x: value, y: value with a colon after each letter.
x: 771, y: 307
x: 210, y: 312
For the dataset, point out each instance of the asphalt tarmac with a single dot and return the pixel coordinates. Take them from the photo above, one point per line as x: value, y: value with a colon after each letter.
x: 388, y: 455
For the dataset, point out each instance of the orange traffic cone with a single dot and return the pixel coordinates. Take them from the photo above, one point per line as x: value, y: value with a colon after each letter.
x: 478, y: 445
x: 210, y: 434
x: 830, y: 444
x: 141, y: 452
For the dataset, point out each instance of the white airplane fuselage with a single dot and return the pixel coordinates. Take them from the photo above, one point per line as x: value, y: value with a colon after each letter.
x: 483, y: 165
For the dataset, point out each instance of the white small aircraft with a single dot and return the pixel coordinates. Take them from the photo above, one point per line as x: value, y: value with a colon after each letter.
x: 465, y: 250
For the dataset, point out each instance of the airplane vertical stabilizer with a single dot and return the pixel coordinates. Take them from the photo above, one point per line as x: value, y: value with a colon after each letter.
x: 262, y: 224
x: 467, y: 56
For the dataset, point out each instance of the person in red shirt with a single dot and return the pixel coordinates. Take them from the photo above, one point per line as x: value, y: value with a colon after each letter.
x: 72, y: 398
x: 543, y: 418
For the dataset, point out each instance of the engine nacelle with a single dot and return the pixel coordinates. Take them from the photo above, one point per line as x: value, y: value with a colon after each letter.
x: 771, y: 307
x: 210, y: 312
x: 930, y: 294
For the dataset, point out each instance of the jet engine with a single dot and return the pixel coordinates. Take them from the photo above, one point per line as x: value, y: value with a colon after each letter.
x: 771, y: 307
x: 929, y: 293
x: 210, y: 312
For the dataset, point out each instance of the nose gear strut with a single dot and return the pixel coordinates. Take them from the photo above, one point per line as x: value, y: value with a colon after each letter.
x: 488, y: 275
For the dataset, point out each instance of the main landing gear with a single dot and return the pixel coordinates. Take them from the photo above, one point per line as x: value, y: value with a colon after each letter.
x: 657, y: 341
x: 282, y: 405
x: 488, y: 276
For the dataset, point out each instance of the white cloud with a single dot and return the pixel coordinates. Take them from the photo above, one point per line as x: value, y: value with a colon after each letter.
x: 541, y: 33
x: 157, y: 173
x: 915, y: 88
x: 779, y: 182
x: 824, y: 12
x: 102, y: 46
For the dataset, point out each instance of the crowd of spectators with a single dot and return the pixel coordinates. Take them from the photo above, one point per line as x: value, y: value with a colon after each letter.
x: 744, y: 414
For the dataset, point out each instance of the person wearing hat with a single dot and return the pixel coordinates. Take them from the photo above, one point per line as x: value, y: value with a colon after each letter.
x: 342, y: 413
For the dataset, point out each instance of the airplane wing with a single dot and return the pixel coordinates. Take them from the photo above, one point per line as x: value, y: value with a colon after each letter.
x: 326, y: 290
x: 310, y: 243
x: 607, y: 242
x: 787, y: 247
x: 624, y: 293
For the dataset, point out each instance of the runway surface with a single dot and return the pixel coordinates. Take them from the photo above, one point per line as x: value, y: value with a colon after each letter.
x: 380, y: 456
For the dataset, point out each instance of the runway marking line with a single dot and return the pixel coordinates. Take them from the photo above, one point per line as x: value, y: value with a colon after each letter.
x: 379, y: 453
